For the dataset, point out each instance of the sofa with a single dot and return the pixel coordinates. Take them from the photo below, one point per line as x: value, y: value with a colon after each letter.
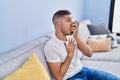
x: 106, y: 61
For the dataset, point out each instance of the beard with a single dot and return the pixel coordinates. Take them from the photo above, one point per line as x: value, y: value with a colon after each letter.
x: 66, y: 32
x: 71, y: 32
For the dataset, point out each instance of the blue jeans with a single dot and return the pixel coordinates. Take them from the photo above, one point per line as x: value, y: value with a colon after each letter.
x: 91, y: 74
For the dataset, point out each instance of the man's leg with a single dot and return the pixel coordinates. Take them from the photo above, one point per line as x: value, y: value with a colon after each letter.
x: 92, y: 74
x: 77, y: 76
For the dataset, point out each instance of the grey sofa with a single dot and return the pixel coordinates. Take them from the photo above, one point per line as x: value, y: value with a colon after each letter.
x: 105, y: 61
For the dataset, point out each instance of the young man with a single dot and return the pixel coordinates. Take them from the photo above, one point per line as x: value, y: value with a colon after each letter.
x: 61, y: 52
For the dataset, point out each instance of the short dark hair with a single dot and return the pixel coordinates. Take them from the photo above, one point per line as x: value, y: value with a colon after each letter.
x: 60, y: 13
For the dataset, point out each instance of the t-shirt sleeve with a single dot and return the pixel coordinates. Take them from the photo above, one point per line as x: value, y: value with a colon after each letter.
x: 52, y: 54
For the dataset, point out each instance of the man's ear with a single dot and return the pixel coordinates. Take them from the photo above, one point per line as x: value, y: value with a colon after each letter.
x: 58, y: 24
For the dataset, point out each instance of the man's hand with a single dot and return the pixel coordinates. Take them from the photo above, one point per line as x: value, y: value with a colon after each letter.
x: 75, y: 29
x: 83, y: 47
x: 70, y: 47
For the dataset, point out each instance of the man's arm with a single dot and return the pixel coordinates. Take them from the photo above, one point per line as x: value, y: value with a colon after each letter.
x: 83, y: 47
x: 58, y: 69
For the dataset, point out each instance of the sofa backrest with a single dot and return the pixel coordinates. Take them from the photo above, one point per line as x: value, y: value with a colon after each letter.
x: 83, y: 30
x: 9, y: 62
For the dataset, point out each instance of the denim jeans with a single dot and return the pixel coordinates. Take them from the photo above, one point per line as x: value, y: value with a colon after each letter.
x: 91, y: 74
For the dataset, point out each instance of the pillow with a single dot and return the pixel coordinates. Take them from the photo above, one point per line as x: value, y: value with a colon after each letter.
x: 100, y: 45
x: 118, y: 39
x: 114, y: 43
x: 98, y: 29
x: 83, y: 32
x: 32, y: 69
x: 104, y: 36
x: 98, y: 36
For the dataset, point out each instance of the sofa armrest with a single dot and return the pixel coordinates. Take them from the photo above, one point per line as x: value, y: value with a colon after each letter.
x: 118, y: 40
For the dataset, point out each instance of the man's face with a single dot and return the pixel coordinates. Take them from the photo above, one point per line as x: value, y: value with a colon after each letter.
x: 66, y: 24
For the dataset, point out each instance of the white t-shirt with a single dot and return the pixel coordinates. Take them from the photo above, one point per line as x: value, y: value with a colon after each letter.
x: 55, y: 51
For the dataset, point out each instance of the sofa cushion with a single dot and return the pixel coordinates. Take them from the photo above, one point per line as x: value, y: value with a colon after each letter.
x: 100, y: 45
x: 113, y: 56
x: 98, y: 29
x: 32, y: 69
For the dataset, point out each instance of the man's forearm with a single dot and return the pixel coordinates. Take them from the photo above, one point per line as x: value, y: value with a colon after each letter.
x: 64, y: 67
x: 83, y: 47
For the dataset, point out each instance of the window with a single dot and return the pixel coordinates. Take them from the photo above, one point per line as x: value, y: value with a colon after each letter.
x: 114, y: 20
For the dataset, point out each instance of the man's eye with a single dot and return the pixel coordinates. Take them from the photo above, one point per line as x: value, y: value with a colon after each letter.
x: 68, y: 20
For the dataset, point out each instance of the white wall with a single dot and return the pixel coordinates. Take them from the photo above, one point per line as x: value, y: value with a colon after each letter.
x: 97, y: 11
x: 22, y: 21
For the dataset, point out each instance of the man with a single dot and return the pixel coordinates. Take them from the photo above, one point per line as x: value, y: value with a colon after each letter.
x: 61, y: 52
